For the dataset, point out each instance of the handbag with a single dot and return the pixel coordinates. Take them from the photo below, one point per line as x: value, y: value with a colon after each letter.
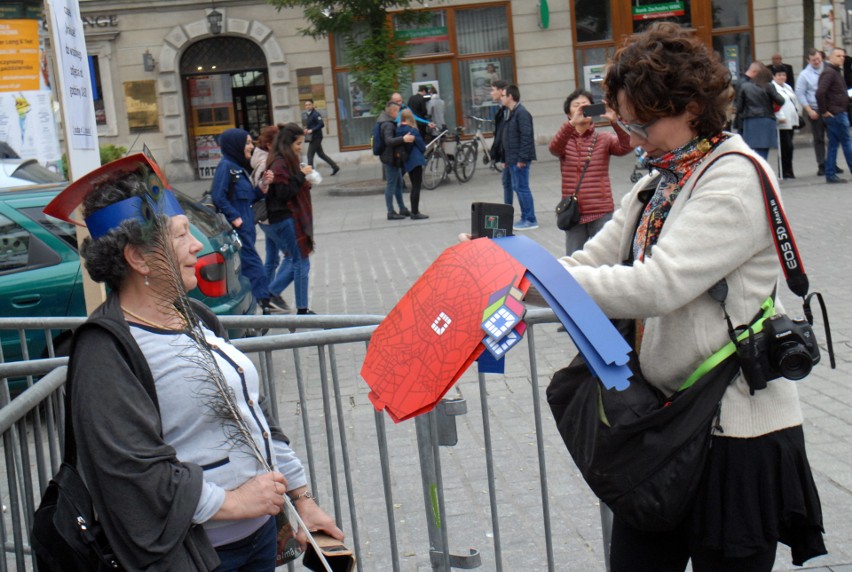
x: 640, y: 453
x: 66, y: 535
x: 568, y: 209
x: 260, y: 210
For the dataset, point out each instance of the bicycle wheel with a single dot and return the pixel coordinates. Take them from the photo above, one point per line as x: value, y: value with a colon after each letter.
x: 435, y: 170
x: 465, y: 162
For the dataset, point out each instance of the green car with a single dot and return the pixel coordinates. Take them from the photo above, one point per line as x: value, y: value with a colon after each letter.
x: 40, y: 274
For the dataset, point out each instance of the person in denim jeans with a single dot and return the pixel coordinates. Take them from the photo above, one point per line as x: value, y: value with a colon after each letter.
x: 518, y: 142
x: 393, y: 173
x: 290, y: 214
x: 833, y: 103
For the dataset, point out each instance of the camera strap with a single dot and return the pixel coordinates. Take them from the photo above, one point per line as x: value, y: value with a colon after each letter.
x: 788, y: 255
x: 785, y: 244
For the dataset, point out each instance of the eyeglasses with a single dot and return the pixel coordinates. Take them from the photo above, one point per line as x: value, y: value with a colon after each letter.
x: 638, y: 129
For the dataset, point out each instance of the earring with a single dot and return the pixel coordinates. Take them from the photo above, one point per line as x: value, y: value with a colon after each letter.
x: 146, y: 280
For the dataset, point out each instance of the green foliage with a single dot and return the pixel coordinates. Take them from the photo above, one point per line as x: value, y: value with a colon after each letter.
x: 112, y: 152
x: 375, y: 56
x: 109, y: 153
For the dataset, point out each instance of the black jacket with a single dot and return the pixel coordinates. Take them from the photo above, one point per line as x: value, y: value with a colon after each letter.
x: 756, y: 101
x: 519, y: 137
x: 831, y: 92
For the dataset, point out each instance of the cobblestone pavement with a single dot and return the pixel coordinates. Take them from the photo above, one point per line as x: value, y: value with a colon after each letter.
x: 364, y: 263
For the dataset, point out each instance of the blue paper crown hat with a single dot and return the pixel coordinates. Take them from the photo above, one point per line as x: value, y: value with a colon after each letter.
x: 158, y: 200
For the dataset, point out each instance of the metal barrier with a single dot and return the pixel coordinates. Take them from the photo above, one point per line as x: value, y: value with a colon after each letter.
x: 363, y: 468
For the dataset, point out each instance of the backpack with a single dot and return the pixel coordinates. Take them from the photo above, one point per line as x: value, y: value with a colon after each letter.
x: 377, y: 141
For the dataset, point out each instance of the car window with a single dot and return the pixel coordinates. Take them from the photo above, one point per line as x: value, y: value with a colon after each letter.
x: 59, y: 228
x: 32, y: 171
x: 14, y: 245
x: 204, y: 218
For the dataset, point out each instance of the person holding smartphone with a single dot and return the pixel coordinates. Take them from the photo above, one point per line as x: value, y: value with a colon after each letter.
x: 577, y: 142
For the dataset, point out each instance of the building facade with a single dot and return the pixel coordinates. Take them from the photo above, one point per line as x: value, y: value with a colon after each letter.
x: 173, y: 74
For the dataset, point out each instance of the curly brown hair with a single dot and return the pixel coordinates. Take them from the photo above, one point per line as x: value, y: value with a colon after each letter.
x: 666, y: 70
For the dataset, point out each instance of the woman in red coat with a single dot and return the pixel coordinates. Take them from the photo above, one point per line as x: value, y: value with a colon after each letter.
x: 577, y: 141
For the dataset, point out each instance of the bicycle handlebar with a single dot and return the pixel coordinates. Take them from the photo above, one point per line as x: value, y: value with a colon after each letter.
x: 480, y: 119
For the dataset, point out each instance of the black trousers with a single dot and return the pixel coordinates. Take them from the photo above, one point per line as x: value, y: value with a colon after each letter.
x: 635, y: 550
x: 315, y: 148
x: 416, y: 177
x: 818, y: 134
x: 786, y: 136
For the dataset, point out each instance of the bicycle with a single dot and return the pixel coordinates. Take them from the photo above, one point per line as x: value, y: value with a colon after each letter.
x: 438, y: 163
x: 467, y: 154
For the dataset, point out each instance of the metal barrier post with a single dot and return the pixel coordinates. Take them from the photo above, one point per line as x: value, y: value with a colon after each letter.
x: 606, y: 531
x: 433, y: 430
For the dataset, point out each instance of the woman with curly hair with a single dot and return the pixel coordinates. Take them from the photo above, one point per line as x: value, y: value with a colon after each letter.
x: 699, y: 220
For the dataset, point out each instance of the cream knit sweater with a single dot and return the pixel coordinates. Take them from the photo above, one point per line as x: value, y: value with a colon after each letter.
x: 716, y: 228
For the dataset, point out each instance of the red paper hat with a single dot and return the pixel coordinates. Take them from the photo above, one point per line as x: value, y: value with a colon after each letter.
x: 63, y: 205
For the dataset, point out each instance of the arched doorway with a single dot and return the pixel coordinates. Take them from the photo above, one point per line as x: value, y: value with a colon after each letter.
x: 226, y: 85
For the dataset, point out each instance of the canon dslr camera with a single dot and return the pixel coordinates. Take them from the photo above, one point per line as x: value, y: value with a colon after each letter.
x: 785, y: 348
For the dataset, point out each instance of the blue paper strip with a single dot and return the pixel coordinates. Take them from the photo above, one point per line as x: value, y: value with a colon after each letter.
x: 603, y: 348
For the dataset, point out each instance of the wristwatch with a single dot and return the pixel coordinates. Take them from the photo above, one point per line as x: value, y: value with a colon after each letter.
x: 305, y: 495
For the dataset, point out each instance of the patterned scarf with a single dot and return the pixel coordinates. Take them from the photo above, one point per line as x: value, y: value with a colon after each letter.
x: 675, y: 167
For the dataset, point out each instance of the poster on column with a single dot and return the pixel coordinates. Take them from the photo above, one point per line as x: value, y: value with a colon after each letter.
x: 28, y: 126
x: 76, y: 96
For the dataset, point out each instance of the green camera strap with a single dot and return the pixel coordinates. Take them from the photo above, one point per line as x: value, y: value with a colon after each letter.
x: 729, y: 349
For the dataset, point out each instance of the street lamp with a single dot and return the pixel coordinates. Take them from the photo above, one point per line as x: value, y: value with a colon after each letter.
x: 214, y: 20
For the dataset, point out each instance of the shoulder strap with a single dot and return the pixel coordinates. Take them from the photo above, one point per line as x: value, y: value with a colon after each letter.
x: 70, y: 455
x: 586, y: 164
x: 782, y: 234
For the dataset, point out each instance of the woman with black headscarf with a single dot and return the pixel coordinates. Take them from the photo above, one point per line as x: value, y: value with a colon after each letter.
x: 233, y: 194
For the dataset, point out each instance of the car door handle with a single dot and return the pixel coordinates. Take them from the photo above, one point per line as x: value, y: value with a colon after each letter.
x: 26, y: 300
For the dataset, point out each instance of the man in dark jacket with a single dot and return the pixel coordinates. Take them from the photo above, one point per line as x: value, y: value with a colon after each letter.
x: 313, y: 134
x: 497, y: 88
x: 833, y: 103
x: 393, y: 174
x: 518, y: 140
x: 417, y: 105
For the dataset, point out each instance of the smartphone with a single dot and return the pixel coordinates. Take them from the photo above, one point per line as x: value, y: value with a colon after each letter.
x: 492, y: 220
x: 594, y: 110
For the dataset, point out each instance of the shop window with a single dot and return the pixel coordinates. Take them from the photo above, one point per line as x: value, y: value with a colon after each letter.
x: 476, y: 77
x: 482, y: 30
x: 473, y: 44
x: 593, y: 21
x: 735, y: 51
x: 730, y: 13
x: 100, y: 55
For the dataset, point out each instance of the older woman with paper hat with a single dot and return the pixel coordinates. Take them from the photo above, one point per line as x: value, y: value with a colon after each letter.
x: 185, y: 469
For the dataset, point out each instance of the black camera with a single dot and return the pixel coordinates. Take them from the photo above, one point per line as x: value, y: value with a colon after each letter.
x: 785, y: 348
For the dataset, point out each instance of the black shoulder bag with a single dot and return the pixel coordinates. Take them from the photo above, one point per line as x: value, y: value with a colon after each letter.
x: 568, y: 209
x: 642, y: 454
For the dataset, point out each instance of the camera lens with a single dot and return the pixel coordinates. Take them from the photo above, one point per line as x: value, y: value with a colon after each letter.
x: 794, y: 361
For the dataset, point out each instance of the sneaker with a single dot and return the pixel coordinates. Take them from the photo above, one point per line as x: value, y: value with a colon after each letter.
x: 393, y: 216
x: 835, y: 180
x: 404, y: 212
x: 305, y: 312
x: 335, y: 171
x: 278, y: 302
x: 525, y: 225
x: 267, y: 308
x: 838, y: 170
x: 418, y: 216
x: 820, y: 171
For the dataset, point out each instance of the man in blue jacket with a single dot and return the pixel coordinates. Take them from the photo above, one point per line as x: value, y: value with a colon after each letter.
x: 313, y: 134
x: 518, y: 143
